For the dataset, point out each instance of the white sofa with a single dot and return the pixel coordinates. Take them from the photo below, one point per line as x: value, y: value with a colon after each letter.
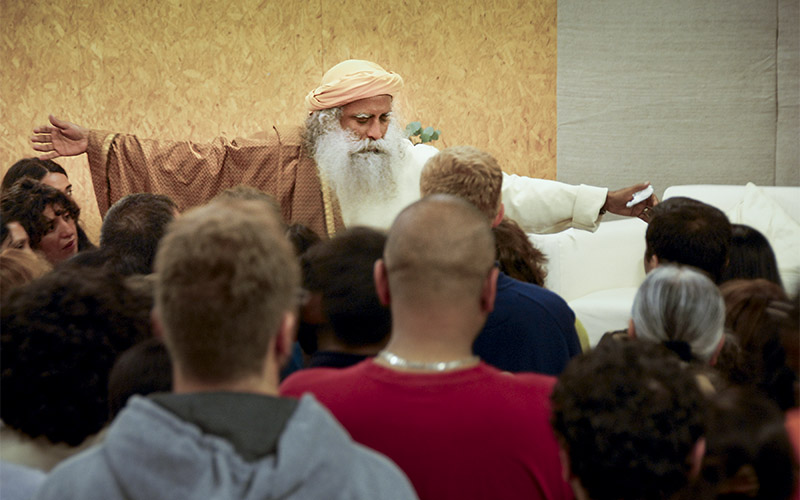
x: 598, y: 273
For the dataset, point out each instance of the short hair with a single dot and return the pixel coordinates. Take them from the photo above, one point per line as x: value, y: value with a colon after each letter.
x: 18, y: 267
x: 341, y: 269
x: 132, y: 229
x: 60, y: 336
x: 438, y: 247
x: 628, y: 415
x: 680, y: 304
x: 745, y: 431
x: 466, y: 172
x: 30, y: 167
x: 689, y: 232
x: 751, y: 256
x: 26, y: 201
x: 226, y: 277
x: 143, y: 369
x: 302, y: 237
x: 517, y: 256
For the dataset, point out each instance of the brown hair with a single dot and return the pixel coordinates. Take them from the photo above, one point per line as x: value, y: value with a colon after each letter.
x: 516, y: 254
x: 226, y: 277
x: 466, y: 172
x: 26, y: 201
x: 18, y: 267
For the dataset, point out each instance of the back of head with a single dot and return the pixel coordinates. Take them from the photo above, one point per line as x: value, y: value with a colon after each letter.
x: 680, y: 304
x: 143, y: 369
x: 751, y: 256
x: 226, y: 278
x: 748, y: 452
x: 516, y: 254
x: 440, y: 248
x: 60, y: 336
x: 628, y: 415
x: 29, y: 167
x: 466, y: 172
x: 689, y: 232
x: 18, y: 267
x: 755, y: 314
x: 132, y: 229
x: 341, y: 269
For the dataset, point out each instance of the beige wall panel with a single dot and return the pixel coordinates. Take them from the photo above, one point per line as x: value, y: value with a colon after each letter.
x: 483, y: 73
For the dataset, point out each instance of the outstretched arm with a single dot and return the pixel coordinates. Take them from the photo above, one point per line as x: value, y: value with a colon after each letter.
x: 62, y: 138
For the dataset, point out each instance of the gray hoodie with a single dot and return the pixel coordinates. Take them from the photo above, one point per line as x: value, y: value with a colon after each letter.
x: 152, y: 452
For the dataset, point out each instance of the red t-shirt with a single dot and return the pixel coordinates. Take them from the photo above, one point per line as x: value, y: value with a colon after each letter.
x: 471, y: 433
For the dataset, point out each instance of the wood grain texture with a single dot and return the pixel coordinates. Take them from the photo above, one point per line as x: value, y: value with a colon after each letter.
x: 482, y: 72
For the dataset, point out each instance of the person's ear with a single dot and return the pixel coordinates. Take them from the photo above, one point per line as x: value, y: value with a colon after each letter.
x: 155, y: 324
x: 696, y: 457
x: 501, y: 212
x: 631, y: 329
x: 489, y: 291
x: 285, y: 337
x: 715, y: 356
x: 381, y: 277
x: 651, y: 263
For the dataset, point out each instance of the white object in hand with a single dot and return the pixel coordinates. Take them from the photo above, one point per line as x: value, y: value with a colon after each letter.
x: 640, y: 196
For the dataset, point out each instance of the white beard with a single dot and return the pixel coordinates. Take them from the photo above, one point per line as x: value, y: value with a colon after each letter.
x: 366, y: 175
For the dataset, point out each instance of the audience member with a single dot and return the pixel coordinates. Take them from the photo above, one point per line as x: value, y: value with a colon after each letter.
x: 47, y: 215
x: 629, y: 419
x: 748, y: 304
x: 18, y: 267
x: 13, y: 235
x: 751, y: 256
x: 458, y: 427
x: 682, y: 309
x: 516, y: 255
x: 689, y: 232
x: 748, y: 452
x: 531, y: 329
x: 60, y: 336
x: 51, y: 174
x: 132, y: 229
x: 143, y: 369
x: 348, y: 321
x: 225, y: 305
x: 302, y: 237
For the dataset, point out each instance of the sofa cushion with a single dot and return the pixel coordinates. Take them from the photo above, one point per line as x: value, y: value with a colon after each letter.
x: 760, y: 211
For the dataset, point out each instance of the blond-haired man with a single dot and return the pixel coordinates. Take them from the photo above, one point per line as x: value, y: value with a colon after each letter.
x: 225, y: 302
x: 531, y: 329
x: 350, y: 165
x: 458, y: 427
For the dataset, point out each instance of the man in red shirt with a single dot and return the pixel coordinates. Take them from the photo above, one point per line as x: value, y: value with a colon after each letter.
x: 456, y: 426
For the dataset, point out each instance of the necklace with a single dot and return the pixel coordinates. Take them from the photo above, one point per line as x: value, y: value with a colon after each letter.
x: 438, y: 366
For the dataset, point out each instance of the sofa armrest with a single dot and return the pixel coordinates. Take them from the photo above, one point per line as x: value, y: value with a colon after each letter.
x: 582, y: 262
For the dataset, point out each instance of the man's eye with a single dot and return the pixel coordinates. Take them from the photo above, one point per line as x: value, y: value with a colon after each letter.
x: 69, y: 191
x: 385, y: 118
x: 362, y: 120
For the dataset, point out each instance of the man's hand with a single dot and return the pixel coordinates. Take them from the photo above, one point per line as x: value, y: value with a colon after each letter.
x: 62, y: 139
x: 616, y: 202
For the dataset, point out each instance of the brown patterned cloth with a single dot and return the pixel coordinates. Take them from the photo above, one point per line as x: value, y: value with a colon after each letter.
x: 191, y: 173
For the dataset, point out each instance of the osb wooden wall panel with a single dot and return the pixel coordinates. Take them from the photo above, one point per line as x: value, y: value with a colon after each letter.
x: 482, y: 72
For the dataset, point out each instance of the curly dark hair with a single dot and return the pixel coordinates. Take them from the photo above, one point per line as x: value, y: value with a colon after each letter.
x: 30, y: 167
x: 26, y: 201
x: 60, y: 337
x: 628, y: 415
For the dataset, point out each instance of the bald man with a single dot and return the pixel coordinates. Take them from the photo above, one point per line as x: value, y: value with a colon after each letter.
x: 458, y: 427
x: 349, y: 165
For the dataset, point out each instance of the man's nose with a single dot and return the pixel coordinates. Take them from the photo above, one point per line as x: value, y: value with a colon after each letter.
x: 375, y: 131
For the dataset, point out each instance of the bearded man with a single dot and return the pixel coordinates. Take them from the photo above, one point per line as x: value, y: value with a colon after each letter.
x: 350, y: 164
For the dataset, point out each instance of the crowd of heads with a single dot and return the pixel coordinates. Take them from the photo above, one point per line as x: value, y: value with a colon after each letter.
x: 213, y: 298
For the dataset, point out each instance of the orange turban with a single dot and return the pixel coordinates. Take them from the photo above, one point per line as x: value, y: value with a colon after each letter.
x: 350, y: 81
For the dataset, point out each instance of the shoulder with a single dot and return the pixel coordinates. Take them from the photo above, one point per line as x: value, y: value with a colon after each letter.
x: 85, y: 476
x: 511, y: 289
x: 311, y: 379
